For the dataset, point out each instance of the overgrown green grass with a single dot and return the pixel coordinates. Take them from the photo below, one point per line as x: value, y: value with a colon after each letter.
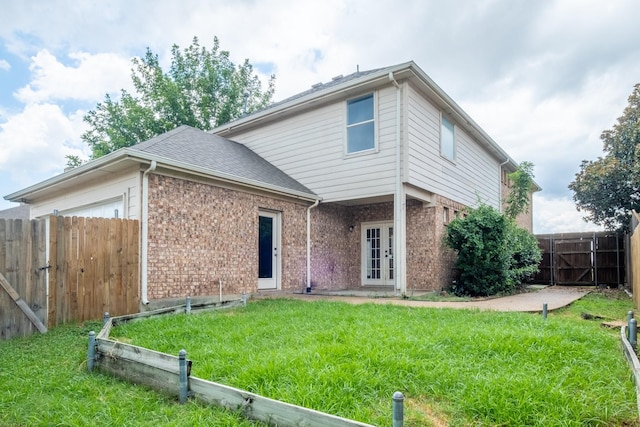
x: 455, y: 367
x: 44, y: 382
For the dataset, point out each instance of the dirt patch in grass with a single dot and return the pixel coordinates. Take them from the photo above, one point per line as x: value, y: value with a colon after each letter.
x: 420, y: 413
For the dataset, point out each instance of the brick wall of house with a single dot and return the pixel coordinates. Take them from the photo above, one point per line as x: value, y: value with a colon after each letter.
x: 336, y: 251
x: 200, y: 233
x: 332, y: 249
x: 429, y: 261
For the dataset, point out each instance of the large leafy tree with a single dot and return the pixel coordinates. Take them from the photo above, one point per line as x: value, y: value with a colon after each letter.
x: 519, y: 198
x: 608, y: 188
x: 202, y: 88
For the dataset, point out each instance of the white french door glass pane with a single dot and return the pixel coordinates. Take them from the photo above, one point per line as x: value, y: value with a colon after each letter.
x: 390, y: 257
x: 373, y: 242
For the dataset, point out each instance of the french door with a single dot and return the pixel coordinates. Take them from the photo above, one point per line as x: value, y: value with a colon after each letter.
x: 377, y: 254
x: 268, y: 250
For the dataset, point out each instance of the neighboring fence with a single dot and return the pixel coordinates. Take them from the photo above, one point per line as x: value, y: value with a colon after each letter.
x: 634, y: 257
x: 23, y: 286
x: 593, y: 259
x: 93, y: 267
x: 172, y: 375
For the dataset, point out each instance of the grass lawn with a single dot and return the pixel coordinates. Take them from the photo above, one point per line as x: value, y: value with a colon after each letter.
x: 455, y: 367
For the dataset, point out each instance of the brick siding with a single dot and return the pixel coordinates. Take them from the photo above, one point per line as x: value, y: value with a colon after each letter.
x: 200, y: 233
x: 336, y: 251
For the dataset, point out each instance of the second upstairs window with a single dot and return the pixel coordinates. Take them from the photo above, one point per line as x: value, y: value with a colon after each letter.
x: 447, y: 140
x: 360, y: 125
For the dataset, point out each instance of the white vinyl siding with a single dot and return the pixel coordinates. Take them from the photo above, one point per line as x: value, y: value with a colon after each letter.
x: 310, y: 147
x: 473, y: 175
x: 103, y: 209
x: 97, y: 198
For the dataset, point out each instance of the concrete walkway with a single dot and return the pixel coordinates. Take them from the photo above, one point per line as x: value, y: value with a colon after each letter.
x: 554, y: 296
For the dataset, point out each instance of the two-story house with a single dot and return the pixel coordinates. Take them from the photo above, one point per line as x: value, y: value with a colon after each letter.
x: 394, y: 159
x: 349, y: 185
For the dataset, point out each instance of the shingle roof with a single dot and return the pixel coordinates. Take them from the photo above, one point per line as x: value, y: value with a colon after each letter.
x: 322, y: 86
x: 211, y: 152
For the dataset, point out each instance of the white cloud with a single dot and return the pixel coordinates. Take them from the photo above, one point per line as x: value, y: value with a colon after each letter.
x: 558, y: 215
x: 86, y: 81
x: 543, y: 78
x: 33, y: 143
x: 4, y: 65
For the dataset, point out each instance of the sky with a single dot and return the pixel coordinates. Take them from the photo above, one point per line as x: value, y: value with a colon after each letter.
x: 543, y: 78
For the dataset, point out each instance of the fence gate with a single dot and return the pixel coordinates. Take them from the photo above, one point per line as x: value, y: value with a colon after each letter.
x: 582, y: 259
x: 94, y: 268
x: 23, y: 286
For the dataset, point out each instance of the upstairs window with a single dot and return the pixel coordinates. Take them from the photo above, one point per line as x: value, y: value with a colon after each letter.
x: 447, y: 140
x: 360, y: 125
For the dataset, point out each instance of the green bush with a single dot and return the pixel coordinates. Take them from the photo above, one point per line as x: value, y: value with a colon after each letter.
x: 494, y: 255
x: 525, y: 254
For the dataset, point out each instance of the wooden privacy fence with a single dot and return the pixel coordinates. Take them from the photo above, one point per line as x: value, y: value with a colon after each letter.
x: 634, y: 257
x: 94, y: 268
x: 592, y: 259
x: 92, y: 265
x: 23, y: 285
x: 172, y: 375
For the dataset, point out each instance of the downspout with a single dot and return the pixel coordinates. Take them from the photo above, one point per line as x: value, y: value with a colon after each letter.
x: 500, y: 184
x: 315, y: 204
x: 398, y: 202
x: 145, y: 232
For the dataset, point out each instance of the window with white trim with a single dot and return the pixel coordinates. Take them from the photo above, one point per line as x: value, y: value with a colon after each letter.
x: 360, y: 125
x: 447, y: 139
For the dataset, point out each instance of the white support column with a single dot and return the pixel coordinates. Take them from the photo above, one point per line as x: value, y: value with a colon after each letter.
x: 400, y: 239
x: 399, y: 206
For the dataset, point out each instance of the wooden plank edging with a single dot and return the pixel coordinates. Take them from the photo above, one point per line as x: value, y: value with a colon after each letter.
x: 260, y: 408
x: 632, y: 358
x: 160, y: 371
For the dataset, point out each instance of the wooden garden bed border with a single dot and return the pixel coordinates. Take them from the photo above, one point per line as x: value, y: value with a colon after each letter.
x: 162, y: 372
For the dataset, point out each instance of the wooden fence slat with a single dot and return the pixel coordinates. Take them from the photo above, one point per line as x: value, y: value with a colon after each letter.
x: 635, y: 261
x: 53, y: 272
x: 71, y: 278
x: 133, y: 266
x: 23, y: 305
x: 115, y: 278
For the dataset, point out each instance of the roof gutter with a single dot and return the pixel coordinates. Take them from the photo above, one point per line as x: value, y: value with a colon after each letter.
x: 399, y: 201
x: 21, y: 195
x: 135, y: 155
